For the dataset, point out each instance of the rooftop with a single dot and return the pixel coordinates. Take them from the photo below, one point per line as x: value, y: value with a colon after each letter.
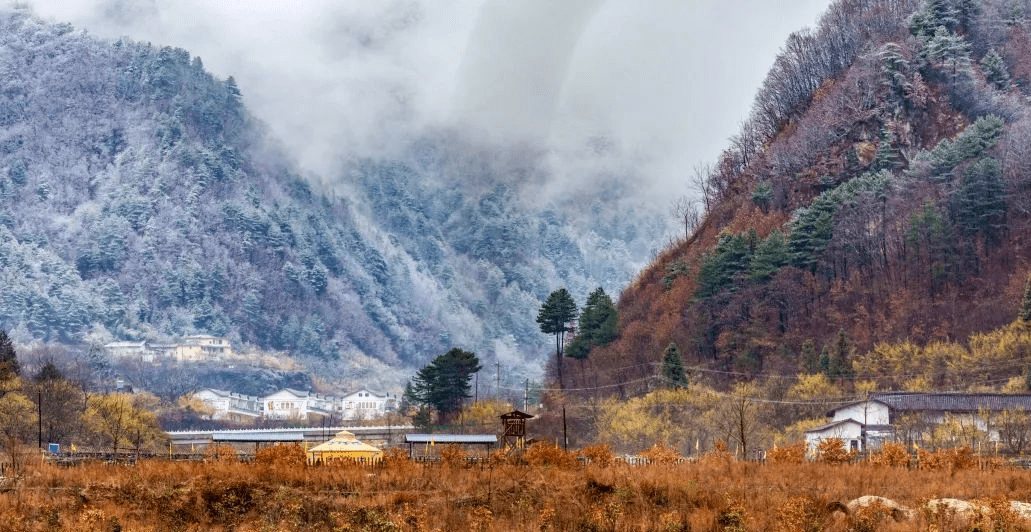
x: 451, y: 438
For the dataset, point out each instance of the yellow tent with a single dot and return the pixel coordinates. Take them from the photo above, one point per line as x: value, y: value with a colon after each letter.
x: 344, y: 447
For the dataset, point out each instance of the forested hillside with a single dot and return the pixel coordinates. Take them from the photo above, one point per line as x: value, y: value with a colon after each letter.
x: 140, y: 200
x: 879, y: 193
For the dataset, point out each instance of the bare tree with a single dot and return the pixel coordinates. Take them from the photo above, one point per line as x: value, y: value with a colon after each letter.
x: 702, y: 180
x: 685, y: 210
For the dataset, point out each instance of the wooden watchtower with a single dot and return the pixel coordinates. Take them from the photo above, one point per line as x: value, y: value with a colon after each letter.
x: 514, y: 424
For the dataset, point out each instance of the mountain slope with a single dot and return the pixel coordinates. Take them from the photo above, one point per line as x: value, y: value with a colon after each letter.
x: 139, y: 199
x: 879, y: 188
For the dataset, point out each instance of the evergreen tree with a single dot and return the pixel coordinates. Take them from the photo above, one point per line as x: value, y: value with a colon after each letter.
x: 949, y: 51
x: 554, y: 317
x: 825, y: 360
x: 979, y: 206
x: 840, y: 363
x: 894, y: 67
x: 48, y: 372
x: 885, y: 158
x: 598, y: 319
x: 9, y: 367
x: 444, y: 383
x: 673, y: 367
x: 810, y: 360
x: 1025, y: 303
x: 579, y: 348
x: 770, y: 256
x: 995, y: 72
x: 762, y: 195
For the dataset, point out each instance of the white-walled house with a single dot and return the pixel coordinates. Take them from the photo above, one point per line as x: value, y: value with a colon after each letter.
x: 209, y: 346
x: 128, y: 350
x: 231, y: 405
x: 908, y: 416
x: 300, y: 405
x: 195, y: 348
x: 365, y: 404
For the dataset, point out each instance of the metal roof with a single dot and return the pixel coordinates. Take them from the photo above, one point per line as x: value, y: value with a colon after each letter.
x: 822, y: 428
x: 953, y: 402
x: 451, y: 438
x: 253, y: 436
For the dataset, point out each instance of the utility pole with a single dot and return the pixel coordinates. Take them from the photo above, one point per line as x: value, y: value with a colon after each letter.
x: 39, y: 415
x: 565, y: 436
x: 476, y: 394
x: 497, y: 395
x: 526, y: 393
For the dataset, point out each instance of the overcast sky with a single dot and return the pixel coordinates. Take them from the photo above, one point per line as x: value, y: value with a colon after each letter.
x: 665, y: 82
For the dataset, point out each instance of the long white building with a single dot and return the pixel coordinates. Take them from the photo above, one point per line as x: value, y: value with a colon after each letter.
x: 290, y: 404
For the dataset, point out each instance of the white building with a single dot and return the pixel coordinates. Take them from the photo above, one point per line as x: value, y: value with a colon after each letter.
x: 910, y: 417
x: 294, y: 404
x: 128, y: 350
x: 209, y: 346
x: 365, y: 404
x: 230, y: 405
x: 195, y: 348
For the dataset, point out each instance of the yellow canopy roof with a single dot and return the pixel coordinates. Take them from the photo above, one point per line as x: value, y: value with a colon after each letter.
x: 344, y: 444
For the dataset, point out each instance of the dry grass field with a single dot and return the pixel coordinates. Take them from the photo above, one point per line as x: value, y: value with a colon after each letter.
x: 547, y: 491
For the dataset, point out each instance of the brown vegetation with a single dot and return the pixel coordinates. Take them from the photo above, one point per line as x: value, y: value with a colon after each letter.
x: 710, y: 494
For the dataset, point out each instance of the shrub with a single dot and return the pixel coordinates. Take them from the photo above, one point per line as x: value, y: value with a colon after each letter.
x: 545, y: 453
x: 600, y: 454
x: 832, y: 451
x: 660, y: 453
x: 891, y: 455
x: 955, y: 459
x: 396, y: 458
x: 799, y: 514
x: 289, y: 455
x: 452, y: 455
x: 222, y: 452
x: 731, y: 519
x: 793, y: 453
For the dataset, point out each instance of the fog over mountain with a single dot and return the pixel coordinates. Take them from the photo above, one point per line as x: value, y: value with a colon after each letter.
x: 468, y: 158
x: 664, y: 81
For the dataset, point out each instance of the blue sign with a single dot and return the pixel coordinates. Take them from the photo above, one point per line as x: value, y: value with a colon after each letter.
x: 54, y: 448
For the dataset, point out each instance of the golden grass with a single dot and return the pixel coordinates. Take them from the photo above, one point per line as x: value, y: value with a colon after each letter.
x: 711, y: 494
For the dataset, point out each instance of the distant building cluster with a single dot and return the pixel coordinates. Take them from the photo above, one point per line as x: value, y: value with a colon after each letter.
x: 195, y: 348
x: 289, y: 404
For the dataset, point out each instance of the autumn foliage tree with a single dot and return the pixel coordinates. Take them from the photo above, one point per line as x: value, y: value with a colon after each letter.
x: 120, y: 421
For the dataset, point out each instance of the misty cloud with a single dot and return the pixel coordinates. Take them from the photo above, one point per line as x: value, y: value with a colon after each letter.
x: 652, y: 85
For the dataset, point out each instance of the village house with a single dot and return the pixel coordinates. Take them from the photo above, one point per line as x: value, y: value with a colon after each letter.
x: 911, y: 417
x: 298, y: 405
x: 210, y: 347
x: 230, y: 405
x: 128, y: 350
x: 365, y: 404
x: 194, y: 348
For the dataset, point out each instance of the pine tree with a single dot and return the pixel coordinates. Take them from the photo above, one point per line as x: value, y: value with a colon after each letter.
x: 9, y: 367
x: 444, y: 383
x: 825, y: 361
x: 673, y: 367
x: 840, y: 363
x: 554, y: 317
x: 762, y: 195
x: 995, y: 72
x: 885, y: 158
x: 770, y: 256
x: 1025, y: 303
x: 810, y: 360
x: 598, y: 319
x: 979, y: 206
